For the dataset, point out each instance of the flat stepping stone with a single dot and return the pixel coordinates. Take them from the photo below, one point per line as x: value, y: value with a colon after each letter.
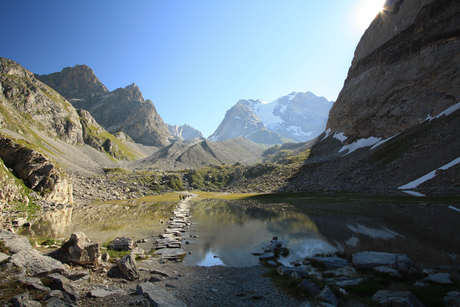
x: 170, y: 254
x: 176, y: 226
x: 331, y: 262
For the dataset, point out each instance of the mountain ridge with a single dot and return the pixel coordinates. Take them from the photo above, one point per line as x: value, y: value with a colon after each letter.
x: 295, y: 117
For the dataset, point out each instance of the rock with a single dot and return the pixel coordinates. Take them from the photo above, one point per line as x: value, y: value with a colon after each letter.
x: 19, y: 222
x: 439, y: 278
x: 123, y: 244
x: 370, y: 260
x: 54, y: 293
x: 105, y: 257
x: 14, y: 242
x: 80, y: 250
x: 329, y: 296
x: 452, y: 298
x: 158, y: 296
x: 171, y: 254
x: 311, y: 288
x: 331, y: 262
x: 62, y: 283
x: 396, y: 298
x: 33, y: 282
x: 267, y: 256
x: 104, y: 293
x: 83, y: 275
x: 56, y: 302
x: 283, y: 270
x: 346, y: 281
x: 37, y: 263
x: 128, y: 267
x: 387, y: 271
x: 3, y: 257
x: 22, y: 300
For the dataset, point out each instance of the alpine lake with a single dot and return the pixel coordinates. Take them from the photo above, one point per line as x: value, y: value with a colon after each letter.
x: 227, y: 229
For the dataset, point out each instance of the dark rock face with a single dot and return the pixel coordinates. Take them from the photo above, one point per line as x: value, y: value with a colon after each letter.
x: 405, y: 68
x: 123, y: 109
x: 36, y: 170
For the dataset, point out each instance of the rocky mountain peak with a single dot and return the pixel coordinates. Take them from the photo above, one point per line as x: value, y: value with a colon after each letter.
x: 79, y: 81
x: 405, y: 68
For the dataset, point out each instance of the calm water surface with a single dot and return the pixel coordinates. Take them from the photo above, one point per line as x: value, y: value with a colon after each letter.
x: 229, y: 231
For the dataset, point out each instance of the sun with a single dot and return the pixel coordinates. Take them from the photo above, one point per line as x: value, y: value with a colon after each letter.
x: 365, y: 13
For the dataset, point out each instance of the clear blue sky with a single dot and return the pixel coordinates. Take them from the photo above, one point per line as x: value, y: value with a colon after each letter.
x: 193, y: 58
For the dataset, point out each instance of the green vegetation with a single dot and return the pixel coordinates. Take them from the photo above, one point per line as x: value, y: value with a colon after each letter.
x: 3, y: 248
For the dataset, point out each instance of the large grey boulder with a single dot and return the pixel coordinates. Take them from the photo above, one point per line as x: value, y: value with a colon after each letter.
x: 37, y: 263
x: 33, y: 282
x: 396, y: 298
x: 80, y: 250
x: 14, y: 242
x: 370, y: 260
x: 157, y: 296
x: 128, y: 267
x: 3, y: 257
x: 62, y: 283
x: 452, y: 298
x: 57, y: 302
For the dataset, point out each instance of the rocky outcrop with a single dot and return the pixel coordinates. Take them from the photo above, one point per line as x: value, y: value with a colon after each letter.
x: 405, y: 68
x: 123, y: 109
x: 80, y: 250
x: 37, y: 171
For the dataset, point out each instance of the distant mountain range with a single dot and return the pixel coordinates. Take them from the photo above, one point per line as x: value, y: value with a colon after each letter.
x: 297, y: 117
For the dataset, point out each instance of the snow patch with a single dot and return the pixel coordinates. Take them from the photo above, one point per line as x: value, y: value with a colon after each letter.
x: 446, y: 112
x: 414, y: 193
x: 454, y: 208
x: 383, y: 141
x: 430, y: 175
x: 340, y: 136
x: 360, y: 144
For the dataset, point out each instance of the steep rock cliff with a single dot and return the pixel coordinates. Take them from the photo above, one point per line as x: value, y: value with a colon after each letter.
x: 405, y: 68
x: 123, y: 109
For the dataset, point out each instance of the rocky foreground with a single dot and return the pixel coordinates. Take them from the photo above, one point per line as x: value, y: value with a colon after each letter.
x: 78, y: 274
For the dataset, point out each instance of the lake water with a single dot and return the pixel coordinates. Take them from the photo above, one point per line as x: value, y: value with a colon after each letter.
x: 229, y: 231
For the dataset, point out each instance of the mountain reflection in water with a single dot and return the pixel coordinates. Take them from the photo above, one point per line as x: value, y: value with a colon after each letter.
x: 227, y: 232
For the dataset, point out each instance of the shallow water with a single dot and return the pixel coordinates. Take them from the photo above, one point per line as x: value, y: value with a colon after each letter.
x: 229, y: 231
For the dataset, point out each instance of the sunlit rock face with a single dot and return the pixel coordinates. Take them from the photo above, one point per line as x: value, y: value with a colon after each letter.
x: 405, y: 68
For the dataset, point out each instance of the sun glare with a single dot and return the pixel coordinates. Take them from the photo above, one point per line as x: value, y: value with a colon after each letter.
x: 366, y: 12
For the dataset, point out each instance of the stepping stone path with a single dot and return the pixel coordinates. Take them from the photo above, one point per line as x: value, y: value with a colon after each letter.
x: 170, y: 242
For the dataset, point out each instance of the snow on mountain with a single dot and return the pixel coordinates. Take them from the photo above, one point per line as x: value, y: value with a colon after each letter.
x: 298, y: 117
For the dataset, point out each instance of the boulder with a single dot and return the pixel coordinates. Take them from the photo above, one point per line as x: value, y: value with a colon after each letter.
x: 57, y: 302
x: 158, y: 296
x: 3, y: 257
x: 439, y: 278
x: 62, y: 283
x: 396, y: 298
x: 387, y: 271
x: 22, y: 300
x: 311, y: 288
x: 123, y: 244
x: 14, y: 242
x: 370, y: 260
x: 33, y: 282
x: 80, y: 250
x: 331, y: 262
x: 452, y: 298
x: 128, y: 267
x: 37, y: 263
x: 329, y: 296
